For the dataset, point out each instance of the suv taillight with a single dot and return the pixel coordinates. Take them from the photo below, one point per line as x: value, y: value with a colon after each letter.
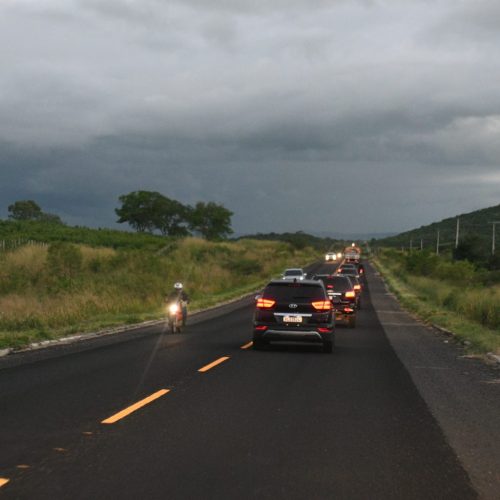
x: 263, y: 303
x: 322, y: 305
x: 350, y: 295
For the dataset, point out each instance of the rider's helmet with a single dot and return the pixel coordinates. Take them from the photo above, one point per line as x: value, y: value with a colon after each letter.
x: 178, y: 286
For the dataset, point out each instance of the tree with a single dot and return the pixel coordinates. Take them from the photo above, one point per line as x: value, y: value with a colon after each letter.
x: 30, y: 210
x: 25, y: 210
x: 170, y: 217
x: 150, y: 211
x: 211, y: 220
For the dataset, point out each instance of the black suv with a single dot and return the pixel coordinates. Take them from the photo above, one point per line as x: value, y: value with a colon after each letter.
x: 294, y: 311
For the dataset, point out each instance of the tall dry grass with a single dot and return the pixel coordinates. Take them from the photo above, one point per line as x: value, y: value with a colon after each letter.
x: 116, y: 286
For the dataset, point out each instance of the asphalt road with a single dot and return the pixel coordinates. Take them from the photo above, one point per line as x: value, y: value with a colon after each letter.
x: 289, y: 422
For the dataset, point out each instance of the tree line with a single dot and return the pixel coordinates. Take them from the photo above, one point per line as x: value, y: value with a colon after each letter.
x: 150, y: 212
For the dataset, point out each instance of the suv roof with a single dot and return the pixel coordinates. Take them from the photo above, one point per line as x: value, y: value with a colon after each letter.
x: 296, y: 283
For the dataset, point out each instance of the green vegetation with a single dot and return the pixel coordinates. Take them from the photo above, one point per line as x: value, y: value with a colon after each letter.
x: 12, y: 232
x: 84, y: 279
x: 475, y: 237
x: 151, y: 211
x: 30, y: 210
x: 456, y: 295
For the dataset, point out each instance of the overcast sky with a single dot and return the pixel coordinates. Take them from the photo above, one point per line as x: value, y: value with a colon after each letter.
x: 316, y: 115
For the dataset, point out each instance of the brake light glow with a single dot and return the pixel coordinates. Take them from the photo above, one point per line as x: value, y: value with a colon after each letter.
x: 329, y: 286
x: 261, y: 327
x: 324, y: 330
x: 322, y: 305
x: 350, y: 294
x: 348, y: 310
x: 357, y: 287
x: 265, y: 303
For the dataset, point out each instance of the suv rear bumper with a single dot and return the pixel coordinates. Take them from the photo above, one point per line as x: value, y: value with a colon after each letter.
x: 277, y: 334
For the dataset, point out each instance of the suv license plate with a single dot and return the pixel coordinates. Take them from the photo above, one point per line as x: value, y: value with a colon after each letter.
x: 292, y: 319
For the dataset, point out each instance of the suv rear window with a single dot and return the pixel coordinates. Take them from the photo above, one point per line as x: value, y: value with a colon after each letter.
x: 293, y: 272
x: 340, y: 283
x: 294, y: 291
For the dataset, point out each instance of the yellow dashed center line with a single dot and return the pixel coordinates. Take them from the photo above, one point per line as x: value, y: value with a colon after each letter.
x: 3, y: 481
x: 246, y: 346
x: 127, y: 411
x: 215, y: 363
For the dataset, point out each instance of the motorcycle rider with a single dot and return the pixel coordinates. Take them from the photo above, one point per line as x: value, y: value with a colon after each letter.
x: 179, y: 296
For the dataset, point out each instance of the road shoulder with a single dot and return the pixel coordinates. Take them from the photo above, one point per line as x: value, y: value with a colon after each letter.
x: 463, y: 394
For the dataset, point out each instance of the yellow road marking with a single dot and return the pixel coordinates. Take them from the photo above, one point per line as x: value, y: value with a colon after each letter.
x: 22, y: 466
x: 246, y: 346
x: 3, y: 481
x: 127, y: 411
x: 215, y: 363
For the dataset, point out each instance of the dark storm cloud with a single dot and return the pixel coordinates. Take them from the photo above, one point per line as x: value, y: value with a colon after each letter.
x: 253, y: 104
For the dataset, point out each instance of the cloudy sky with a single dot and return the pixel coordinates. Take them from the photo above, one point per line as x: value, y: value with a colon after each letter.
x: 320, y: 115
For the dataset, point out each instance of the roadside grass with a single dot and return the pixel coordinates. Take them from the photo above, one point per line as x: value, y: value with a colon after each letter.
x: 42, y: 298
x: 466, y: 311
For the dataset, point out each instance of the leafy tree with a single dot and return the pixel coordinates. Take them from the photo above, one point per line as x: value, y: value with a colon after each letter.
x: 170, y: 217
x: 211, y: 220
x: 150, y: 211
x: 25, y: 210
x: 30, y: 210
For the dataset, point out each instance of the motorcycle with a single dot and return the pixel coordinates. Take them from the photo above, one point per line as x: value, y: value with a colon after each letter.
x: 175, y: 317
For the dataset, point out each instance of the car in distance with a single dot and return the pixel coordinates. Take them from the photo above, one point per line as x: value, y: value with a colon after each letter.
x: 331, y: 257
x: 293, y: 311
x: 341, y: 292
x: 295, y: 273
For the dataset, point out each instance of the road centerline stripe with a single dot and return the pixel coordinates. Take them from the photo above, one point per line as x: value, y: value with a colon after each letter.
x: 3, y: 481
x: 136, y: 406
x: 214, y: 363
x: 246, y: 346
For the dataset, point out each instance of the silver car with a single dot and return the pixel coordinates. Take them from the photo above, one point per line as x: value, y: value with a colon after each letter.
x: 295, y: 273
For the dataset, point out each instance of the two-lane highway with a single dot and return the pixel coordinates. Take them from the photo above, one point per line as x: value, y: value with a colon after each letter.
x: 205, y: 416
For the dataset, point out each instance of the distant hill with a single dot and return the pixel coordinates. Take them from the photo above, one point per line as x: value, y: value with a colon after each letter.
x: 357, y: 237
x: 474, y: 225
x: 300, y: 240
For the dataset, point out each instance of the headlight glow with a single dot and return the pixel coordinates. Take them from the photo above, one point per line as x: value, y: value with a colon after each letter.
x: 173, y: 308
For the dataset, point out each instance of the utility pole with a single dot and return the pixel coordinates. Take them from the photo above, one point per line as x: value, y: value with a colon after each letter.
x: 411, y: 244
x: 494, y: 223
x: 421, y: 244
x: 437, y: 244
x: 458, y: 232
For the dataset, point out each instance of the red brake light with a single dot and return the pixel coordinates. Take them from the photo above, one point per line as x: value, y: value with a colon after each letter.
x: 323, y: 330
x: 350, y: 294
x: 265, y: 303
x: 348, y: 310
x: 329, y: 286
x: 261, y: 328
x: 357, y: 287
x: 322, y: 305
